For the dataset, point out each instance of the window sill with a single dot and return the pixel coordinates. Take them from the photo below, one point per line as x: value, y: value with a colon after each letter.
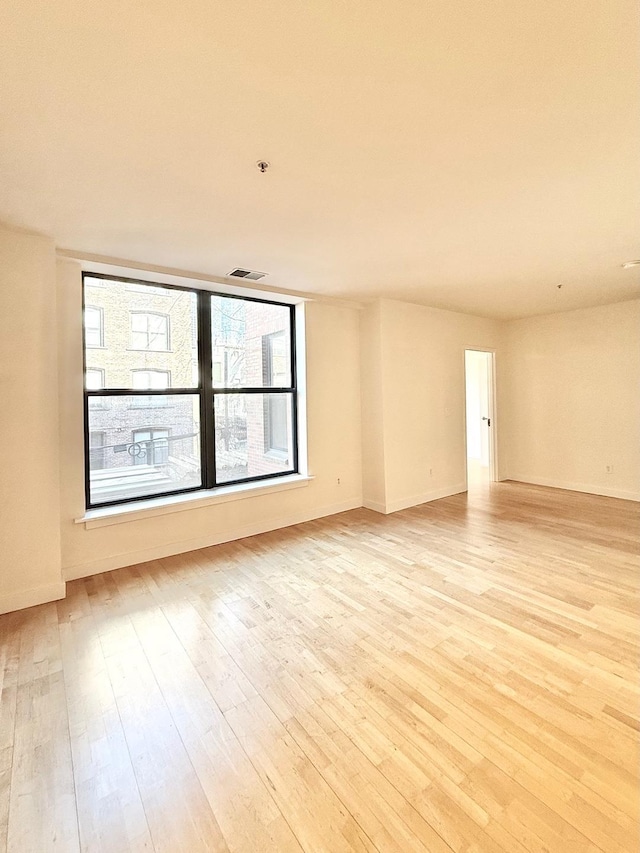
x: 142, y: 349
x: 277, y: 455
x: 151, y: 507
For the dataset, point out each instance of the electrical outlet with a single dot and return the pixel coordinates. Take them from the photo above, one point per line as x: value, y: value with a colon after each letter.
x: 608, y: 469
x: 431, y: 472
x: 338, y: 480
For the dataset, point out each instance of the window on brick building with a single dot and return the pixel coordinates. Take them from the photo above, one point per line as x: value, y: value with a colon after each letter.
x: 155, y: 379
x: 151, y: 446
x: 193, y: 391
x: 274, y: 359
x: 94, y: 379
x: 150, y: 379
x: 93, y: 326
x: 96, y: 449
x: 149, y: 331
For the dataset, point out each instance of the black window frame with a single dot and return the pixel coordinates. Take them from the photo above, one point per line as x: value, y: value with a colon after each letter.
x: 204, y: 390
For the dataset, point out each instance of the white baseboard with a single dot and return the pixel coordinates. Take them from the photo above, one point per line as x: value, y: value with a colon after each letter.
x: 426, y: 497
x: 131, y: 558
x: 415, y: 500
x: 375, y: 506
x: 607, y: 492
x: 30, y: 597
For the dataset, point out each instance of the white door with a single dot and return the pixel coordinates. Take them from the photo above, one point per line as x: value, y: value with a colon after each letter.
x: 480, y: 421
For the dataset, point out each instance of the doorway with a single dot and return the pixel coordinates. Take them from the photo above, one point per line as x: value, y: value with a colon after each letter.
x: 480, y: 417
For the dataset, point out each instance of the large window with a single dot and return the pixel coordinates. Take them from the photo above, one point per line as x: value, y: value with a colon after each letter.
x: 193, y: 390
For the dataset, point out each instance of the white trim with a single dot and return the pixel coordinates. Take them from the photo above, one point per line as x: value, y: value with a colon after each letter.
x: 31, y: 597
x: 493, y: 413
x: 425, y: 497
x: 375, y: 506
x: 301, y: 376
x: 494, y: 474
x: 134, y: 511
x: 415, y: 500
x: 118, y: 561
x: 604, y: 491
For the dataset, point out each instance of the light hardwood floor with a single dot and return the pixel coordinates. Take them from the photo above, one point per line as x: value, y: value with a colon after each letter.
x: 460, y: 676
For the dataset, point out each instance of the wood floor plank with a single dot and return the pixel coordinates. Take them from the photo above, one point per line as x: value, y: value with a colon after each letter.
x: 9, y: 665
x: 177, y: 811
x: 459, y: 677
x: 243, y: 806
x: 42, y: 809
x: 111, y: 815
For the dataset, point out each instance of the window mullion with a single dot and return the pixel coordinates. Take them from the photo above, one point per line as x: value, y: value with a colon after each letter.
x: 205, y: 365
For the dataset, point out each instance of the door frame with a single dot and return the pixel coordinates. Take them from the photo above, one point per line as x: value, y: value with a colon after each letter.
x: 493, y: 429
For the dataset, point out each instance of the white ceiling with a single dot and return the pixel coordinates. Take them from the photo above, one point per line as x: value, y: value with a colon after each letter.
x: 467, y: 154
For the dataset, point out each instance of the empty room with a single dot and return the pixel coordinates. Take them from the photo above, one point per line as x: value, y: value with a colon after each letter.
x: 320, y: 426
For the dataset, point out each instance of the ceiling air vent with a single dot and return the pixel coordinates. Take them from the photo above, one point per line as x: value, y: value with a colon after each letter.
x: 251, y: 275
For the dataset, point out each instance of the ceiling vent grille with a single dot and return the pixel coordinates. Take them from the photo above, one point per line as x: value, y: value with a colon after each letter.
x: 251, y: 275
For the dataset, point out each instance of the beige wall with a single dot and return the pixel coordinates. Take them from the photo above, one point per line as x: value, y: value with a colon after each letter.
x: 571, y: 400
x: 568, y: 406
x: 420, y: 390
x: 334, y: 451
x: 29, y: 484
